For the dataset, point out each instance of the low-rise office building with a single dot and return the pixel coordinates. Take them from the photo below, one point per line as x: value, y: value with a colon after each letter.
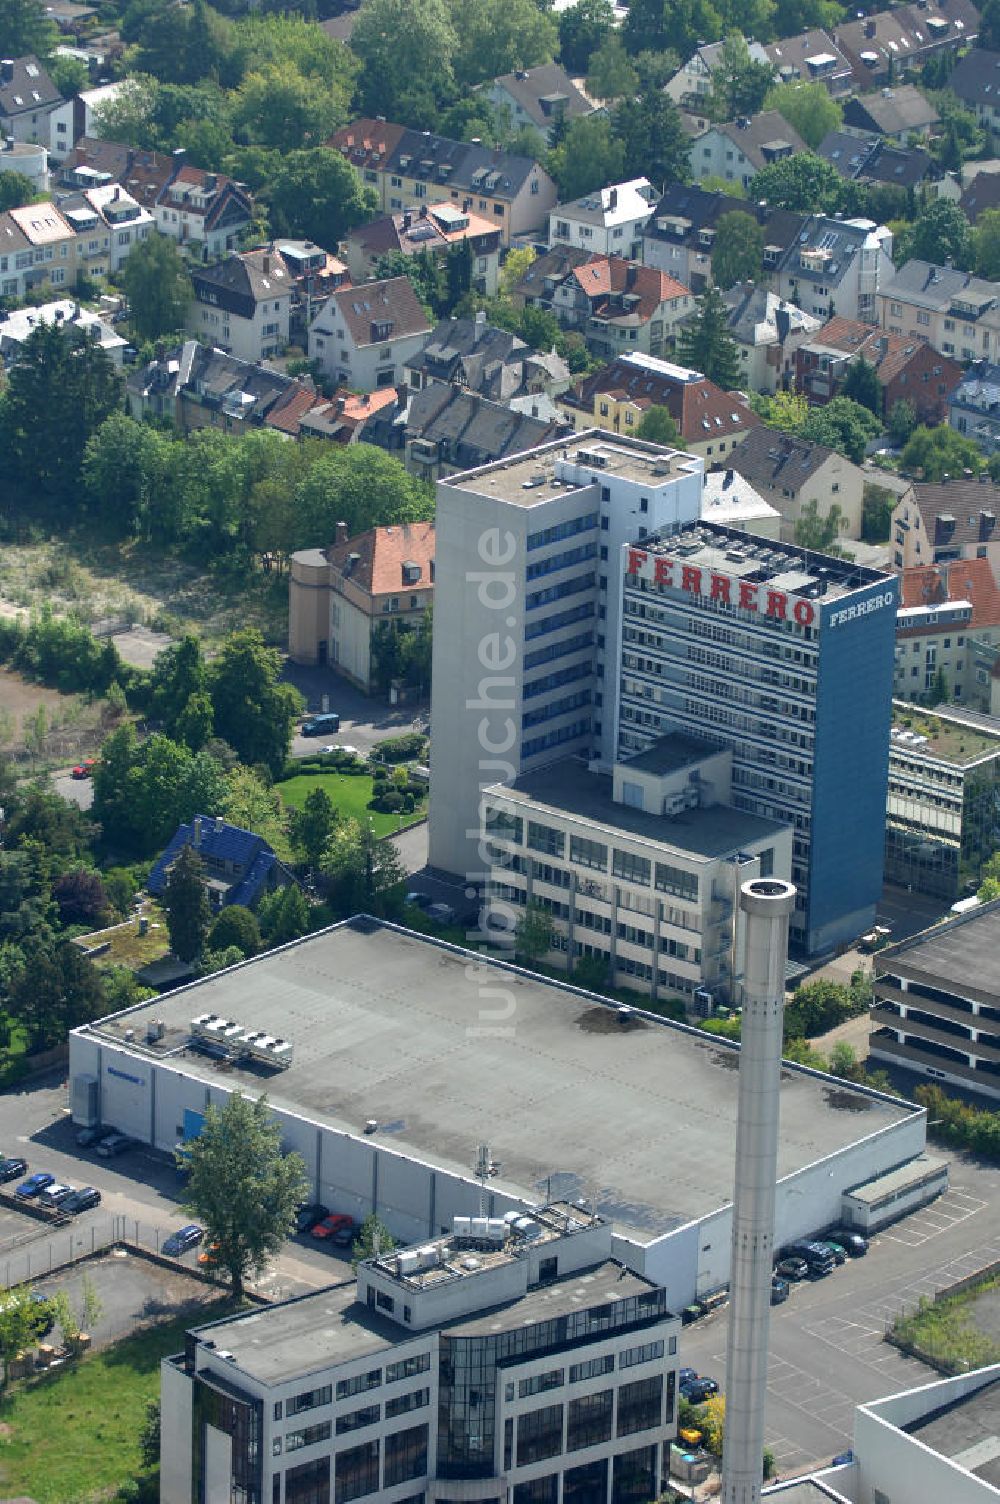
x: 641, y: 870
x: 943, y: 809
x: 509, y: 1358
x: 937, y: 1002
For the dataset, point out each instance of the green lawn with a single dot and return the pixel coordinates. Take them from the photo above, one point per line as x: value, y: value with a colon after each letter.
x: 350, y: 794
x: 72, y: 1435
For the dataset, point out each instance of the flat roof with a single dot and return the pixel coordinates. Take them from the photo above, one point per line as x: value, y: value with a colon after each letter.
x: 920, y: 1170
x: 967, y: 1431
x: 536, y: 476
x: 952, y: 741
x: 784, y: 566
x: 962, y: 955
x: 567, y: 788
x: 676, y: 750
x: 383, y: 1024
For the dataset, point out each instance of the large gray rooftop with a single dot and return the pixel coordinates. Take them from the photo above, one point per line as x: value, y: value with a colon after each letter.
x: 391, y: 1025
x: 567, y: 788
x: 962, y: 955
x: 967, y: 1431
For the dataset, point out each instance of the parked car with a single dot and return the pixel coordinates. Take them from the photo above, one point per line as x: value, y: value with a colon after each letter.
x: 855, y: 1245
x: 697, y: 1391
x: 55, y: 1194
x: 420, y: 900
x: 115, y: 1144
x: 86, y: 1137
x: 838, y: 1250
x: 84, y: 769
x: 186, y: 1237
x: 792, y: 1269
x: 441, y: 913
x: 81, y: 1201
x: 780, y: 1289
x: 10, y: 1169
x: 337, y: 1227
x: 327, y: 724
x: 686, y: 1375
x: 35, y: 1184
x: 818, y: 1258
x: 307, y: 1216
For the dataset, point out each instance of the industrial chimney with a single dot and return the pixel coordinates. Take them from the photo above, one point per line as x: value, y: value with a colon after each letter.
x: 767, y: 904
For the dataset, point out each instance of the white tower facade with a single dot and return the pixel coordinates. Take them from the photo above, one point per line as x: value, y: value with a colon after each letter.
x: 767, y: 904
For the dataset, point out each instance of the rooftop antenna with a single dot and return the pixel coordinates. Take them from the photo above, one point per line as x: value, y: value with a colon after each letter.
x: 483, y: 1163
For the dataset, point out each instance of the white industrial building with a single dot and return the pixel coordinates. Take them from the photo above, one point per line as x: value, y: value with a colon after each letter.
x: 510, y: 1358
x: 444, y: 1050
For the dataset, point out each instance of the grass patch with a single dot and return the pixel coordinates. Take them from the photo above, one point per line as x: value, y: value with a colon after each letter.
x: 127, y: 946
x: 349, y: 794
x: 73, y: 1435
x: 946, y: 1333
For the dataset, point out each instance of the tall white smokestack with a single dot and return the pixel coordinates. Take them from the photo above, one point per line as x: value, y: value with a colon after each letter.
x: 767, y: 904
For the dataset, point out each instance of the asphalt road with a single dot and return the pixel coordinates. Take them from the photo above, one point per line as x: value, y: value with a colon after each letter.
x: 826, y: 1349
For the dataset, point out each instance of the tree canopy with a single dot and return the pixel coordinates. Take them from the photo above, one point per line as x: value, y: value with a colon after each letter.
x: 941, y: 451
x: 808, y: 108
x: 158, y: 288
x: 706, y: 344
x: 801, y: 182
x: 738, y: 249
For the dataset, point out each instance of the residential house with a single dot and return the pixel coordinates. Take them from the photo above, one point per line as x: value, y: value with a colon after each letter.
x: 609, y: 221
x: 406, y: 166
x: 541, y: 98
x: 339, y: 597
x: 112, y: 215
x: 945, y: 306
x: 836, y: 266
x: 792, y: 474
x: 28, y: 160
x: 711, y: 422
x: 240, y: 867
x: 448, y: 430
x: 974, y: 405
x: 982, y: 193
x: 243, y: 305
x: 434, y: 229
x: 18, y: 323
x: 315, y: 274
x: 362, y: 337
x: 622, y: 305
x: 908, y: 368
x: 355, y: 418
x: 537, y: 287
x: 737, y: 151
x: 886, y: 46
x: 72, y: 18
x: 197, y: 387
x: 864, y: 157
x: 680, y: 235
x: 77, y: 117
x: 37, y: 245
x: 943, y: 608
x: 470, y: 353
x: 897, y: 113
x: 812, y: 56
x: 27, y: 98
x: 205, y: 212
x: 975, y: 80
x: 768, y: 332
x: 691, y: 85
x: 954, y: 519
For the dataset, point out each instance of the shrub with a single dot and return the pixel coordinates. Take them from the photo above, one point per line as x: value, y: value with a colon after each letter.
x: 389, y: 803
x: 409, y: 804
x: 406, y: 748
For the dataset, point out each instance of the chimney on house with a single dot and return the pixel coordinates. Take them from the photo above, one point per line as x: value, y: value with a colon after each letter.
x: 341, y: 532
x: 480, y: 326
x: 631, y: 276
x: 197, y: 832
x: 341, y: 407
x: 219, y: 823
x: 613, y: 199
x: 266, y: 264
x: 179, y: 156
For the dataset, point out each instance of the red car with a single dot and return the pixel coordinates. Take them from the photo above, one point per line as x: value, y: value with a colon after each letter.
x: 338, y: 1227
x: 84, y: 769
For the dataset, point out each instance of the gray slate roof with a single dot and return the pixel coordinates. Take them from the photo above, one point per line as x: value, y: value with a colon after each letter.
x: 901, y: 108
x: 28, y: 90
x: 531, y: 88
x: 925, y: 285
x: 769, y: 458
x: 976, y: 78
x: 471, y: 431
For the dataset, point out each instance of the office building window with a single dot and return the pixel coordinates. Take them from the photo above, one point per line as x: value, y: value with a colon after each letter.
x: 308, y: 1436
x: 356, y: 1419
x: 539, y: 1434
x: 359, y: 1383
x: 593, y: 1368
x: 540, y: 1383
x: 640, y: 1405
x: 406, y: 1455
x: 587, y: 853
x: 309, y: 1483
x: 546, y: 838
x: 674, y: 880
x: 634, y: 869
x: 589, y: 1420
x: 356, y: 1472
x: 630, y: 1356
x: 415, y: 1399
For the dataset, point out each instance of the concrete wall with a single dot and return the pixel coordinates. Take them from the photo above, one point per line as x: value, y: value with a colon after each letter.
x: 902, y: 1468
x: 175, y: 1435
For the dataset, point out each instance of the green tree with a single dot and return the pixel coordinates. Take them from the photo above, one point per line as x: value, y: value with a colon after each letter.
x: 21, y: 1321
x: 186, y: 904
x: 255, y: 710
x: 15, y: 190
x: 179, y: 672
x: 739, y: 83
x: 241, y: 1186
x: 862, y: 385
x: 939, y: 694
x: 672, y: 25
x: 58, y: 990
x: 362, y: 874
x: 656, y: 144
x: 989, y: 26
x: 611, y: 75
x: 58, y: 393
x: 808, y: 108
x: 499, y: 36
x: 816, y: 532
x: 902, y: 422
x: 802, y: 182
x: 843, y: 1060
x: 941, y: 451
x: 656, y: 426
x: 312, y: 826
x: 425, y: 273
x: 589, y: 155
x: 314, y: 193
x: 360, y: 485
x: 281, y: 108
x: 373, y: 1236
x: 149, y: 1435
x: 876, y: 513
x: 69, y: 74
x: 126, y: 468
x: 283, y: 915
x: 157, y: 287
x: 235, y: 926
x: 842, y: 425
x: 582, y: 29
x: 25, y: 28
x: 533, y: 932
x: 706, y: 344
x: 986, y: 244
x: 253, y: 805
x: 407, y: 50
x: 942, y: 233
x: 738, y: 250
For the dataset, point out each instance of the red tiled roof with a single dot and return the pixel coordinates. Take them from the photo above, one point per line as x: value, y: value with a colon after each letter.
x: 606, y: 275
x: 383, y: 552
x: 888, y: 353
x: 288, y: 412
x: 956, y: 580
